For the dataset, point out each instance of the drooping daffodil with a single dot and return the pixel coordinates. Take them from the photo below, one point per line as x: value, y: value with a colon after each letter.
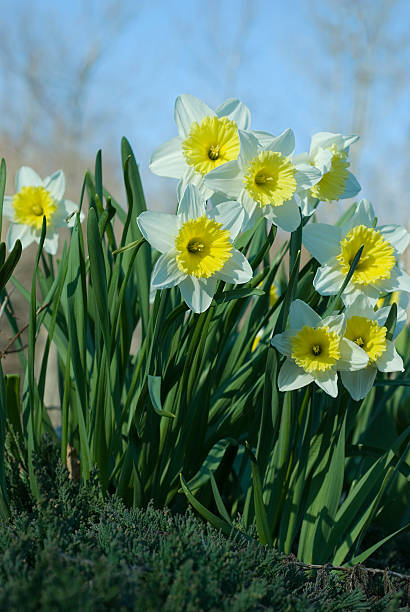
x: 336, y: 246
x: 316, y: 350
x: 265, y: 180
x: 329, y: 153
x: 34, y: 199
x: 197, y: 248
x: 366, y: 328
x: 207, y: 139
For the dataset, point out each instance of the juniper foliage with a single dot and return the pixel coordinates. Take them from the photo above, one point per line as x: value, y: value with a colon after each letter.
x: 78, y: 550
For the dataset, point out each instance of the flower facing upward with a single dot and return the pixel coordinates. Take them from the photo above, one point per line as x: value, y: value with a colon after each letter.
x: 197, y: 248
x: 34, y: 199
x: 365, y: 327
x: 210, y: 143
x: 270, y: 178
x: 264, y: 179
x: 336, y: 246
x: 316, y: 350
x: 202, y: 247
x: 376, y: 261
x: 207, y: 139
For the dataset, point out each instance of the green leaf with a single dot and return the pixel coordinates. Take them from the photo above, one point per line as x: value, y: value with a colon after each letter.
x: 214, y: 520
x: 261, y: 518
x: 372, y: 549
x: 12, y: 383
x: 154, y: 389
x: 7, y: 268
x: 237, y: 294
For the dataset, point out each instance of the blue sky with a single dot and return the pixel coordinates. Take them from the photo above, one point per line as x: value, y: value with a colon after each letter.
x: 270, y: 54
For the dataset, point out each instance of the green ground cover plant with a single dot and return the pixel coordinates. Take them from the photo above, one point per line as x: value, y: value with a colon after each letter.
x: 76, y: 548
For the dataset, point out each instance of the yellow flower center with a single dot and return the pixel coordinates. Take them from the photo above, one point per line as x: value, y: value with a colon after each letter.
x: 315, y: 349
x: 202, y: 247
x: 270, y: 179
x: 211, y: 143
x: 333, y: 183
x: 367, y: 334
x: 31, y: 204
x: 377, y: 258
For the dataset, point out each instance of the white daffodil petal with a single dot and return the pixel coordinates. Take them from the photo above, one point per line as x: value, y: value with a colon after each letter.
x: 306, y: 176
x: 322, y: 241
x: 24, y: 233
x: 248, y: 147
x: 66, y: 210
x: 50, y: 243
x: 397, y: 235
x: 390, y: 361
x: 328, y: 382
x: 190, y: 177
x: 328, y: 280
x: 292, y: 377
x: 323, y: 160
x: 399, y: 281
x: 307, y: 203
x: 349, y: 140
x: 236, y: 111
x: 264, y: 138
x: 166, y: 273
x: 287, y: 216
x: 188, y: 109
x: 168, y: 159
x: 160, y: 229
x: 236, y: 270
x: 336, y: 323
x: 27, y: 177
x: 8, y: 208
x: 198, y: 292
x: 301, y: 158
x: 360, y: 307
x: 230, y: 214
x: 352, y: 292
x: 252, y: 210
x: 323, y: 140
x: 300, y: 314
x: 352, y: 187
x: 352, y: 357
x: 381, y: 315
x: 226, y: 178
x: 55, y: 185
x: 282, y: 342
x: 192, y: 204
x: 359, y: 383
x: 284, y: 143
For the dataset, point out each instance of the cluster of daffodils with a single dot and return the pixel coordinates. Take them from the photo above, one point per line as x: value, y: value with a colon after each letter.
x: 230, y: 176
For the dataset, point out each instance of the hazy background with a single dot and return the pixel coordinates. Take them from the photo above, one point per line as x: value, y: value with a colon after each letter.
x: 76, y: 76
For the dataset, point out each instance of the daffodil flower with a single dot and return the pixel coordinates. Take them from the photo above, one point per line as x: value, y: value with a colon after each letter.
x: 207, y: 139
x: 366, y: 328
x: 335, y: 247
x: 197, y: 248
x: 34, y: 199
x: 264, y: 179
x: 316, y: 350
x: 329, y: 153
